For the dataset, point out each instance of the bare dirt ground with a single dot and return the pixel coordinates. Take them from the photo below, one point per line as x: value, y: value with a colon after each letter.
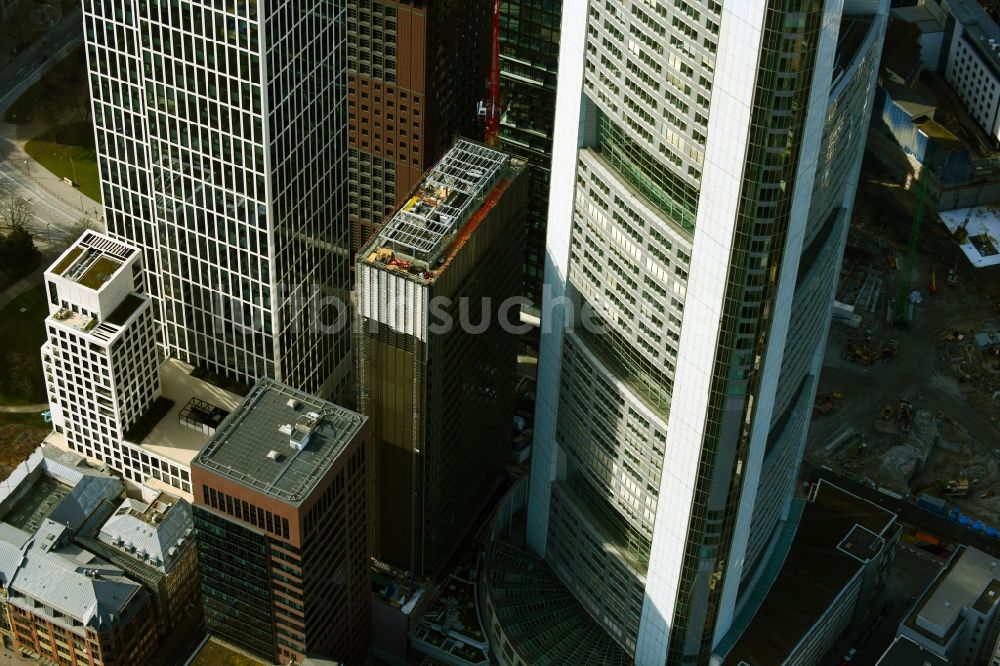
x: 949, y: 382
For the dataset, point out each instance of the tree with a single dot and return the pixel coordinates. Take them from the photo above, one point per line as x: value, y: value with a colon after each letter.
x: 18, y: 254
x: 15, y: 212
x: 82, y: 226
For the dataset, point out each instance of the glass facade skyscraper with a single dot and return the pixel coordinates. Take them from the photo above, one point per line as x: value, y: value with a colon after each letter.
x: 529, y: 60
x: 705, y: 162
x: 221, y: 138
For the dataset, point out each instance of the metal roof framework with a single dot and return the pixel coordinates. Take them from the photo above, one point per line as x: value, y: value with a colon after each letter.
x: 445, y: 198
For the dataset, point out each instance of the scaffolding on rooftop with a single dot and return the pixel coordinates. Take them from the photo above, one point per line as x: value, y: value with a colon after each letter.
x: 449, y: 193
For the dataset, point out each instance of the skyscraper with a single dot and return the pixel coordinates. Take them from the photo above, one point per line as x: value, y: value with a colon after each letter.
x: 282, y: 518
x: 223, y: 156
x: 417, y: 72
x: 697, y: 240
x: 435, y: 365
x: 529, y: 59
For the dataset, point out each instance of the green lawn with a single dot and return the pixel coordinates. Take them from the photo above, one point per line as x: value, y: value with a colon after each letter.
x: 74, y: 162
x: 21, y: 381
x: 216, y: 654
x: 34, y: 420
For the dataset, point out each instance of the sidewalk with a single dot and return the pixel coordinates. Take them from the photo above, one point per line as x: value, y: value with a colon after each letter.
x: 12, y: 151
x: 28, y: 282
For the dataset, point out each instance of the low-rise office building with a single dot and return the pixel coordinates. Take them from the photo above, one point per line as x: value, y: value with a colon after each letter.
x: 956, y: 615
x: 60, y: 602
x: 153, y: 543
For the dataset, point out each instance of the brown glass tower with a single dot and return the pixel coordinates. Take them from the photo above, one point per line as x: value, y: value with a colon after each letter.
x: 417, y: 71
x: 282, y: 520
x: 435, y: 366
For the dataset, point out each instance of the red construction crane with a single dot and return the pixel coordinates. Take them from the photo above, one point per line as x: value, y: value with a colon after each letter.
x: 493, y: 103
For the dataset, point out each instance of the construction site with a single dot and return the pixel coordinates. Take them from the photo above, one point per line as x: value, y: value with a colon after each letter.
x: 909, y: 395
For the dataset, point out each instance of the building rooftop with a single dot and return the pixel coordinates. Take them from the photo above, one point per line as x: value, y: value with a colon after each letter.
x: 542, y: 619
x: 171, y: 437
x: 417, y: 236
x: 832, y: 542
x: 92, y: 260
x: 54, y: 486
x: 153, y: 533
x: 46, y: 499
x: 970, y: 581
x: 980, y: 246
x: 280, y: 441
x: 904, y: 652
x: 920, y: 16
x: 979, y: 30
x: 73, y: 582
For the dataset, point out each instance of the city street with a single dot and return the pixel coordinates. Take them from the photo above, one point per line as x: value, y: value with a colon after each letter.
x: 57, y: 207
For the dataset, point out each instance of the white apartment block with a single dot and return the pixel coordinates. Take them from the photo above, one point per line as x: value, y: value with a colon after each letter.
x: 110, y: 398
x: 973, y: 65
x: 100, y: 358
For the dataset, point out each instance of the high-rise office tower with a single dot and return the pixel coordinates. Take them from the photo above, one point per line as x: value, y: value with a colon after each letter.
x: 435, y: 365
x: 417, y: 73
x: 529, y: 58
x: 697, y: 237
x: 222, y: 148
x: 282, y: 518
x: 100, y: 357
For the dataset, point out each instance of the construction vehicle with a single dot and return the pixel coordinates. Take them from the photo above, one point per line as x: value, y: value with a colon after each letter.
x: 952, y: 488
x: 823, y: 405
x: 956, y: 488
x: 961, y: 233
x: 904, y: 308
x: 953, y: 275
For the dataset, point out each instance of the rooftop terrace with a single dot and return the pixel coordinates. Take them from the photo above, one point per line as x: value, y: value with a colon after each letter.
x: 170, y: 437
x: 92, y: 260
x: 456, y: 187
x: 280, y: 441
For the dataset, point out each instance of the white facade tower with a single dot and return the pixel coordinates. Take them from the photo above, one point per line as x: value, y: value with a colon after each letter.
x: 704, y: 168
x: 100, y: 360
x: 221, y: 137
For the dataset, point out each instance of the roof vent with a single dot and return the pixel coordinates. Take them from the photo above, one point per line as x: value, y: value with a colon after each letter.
x: 293, y: 403
x: 273, y: 455
x: 286, y: 429
x: 947, y: 604
x: 298, y: 440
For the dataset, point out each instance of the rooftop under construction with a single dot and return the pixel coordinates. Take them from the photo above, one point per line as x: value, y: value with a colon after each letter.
x: 417, y: 235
